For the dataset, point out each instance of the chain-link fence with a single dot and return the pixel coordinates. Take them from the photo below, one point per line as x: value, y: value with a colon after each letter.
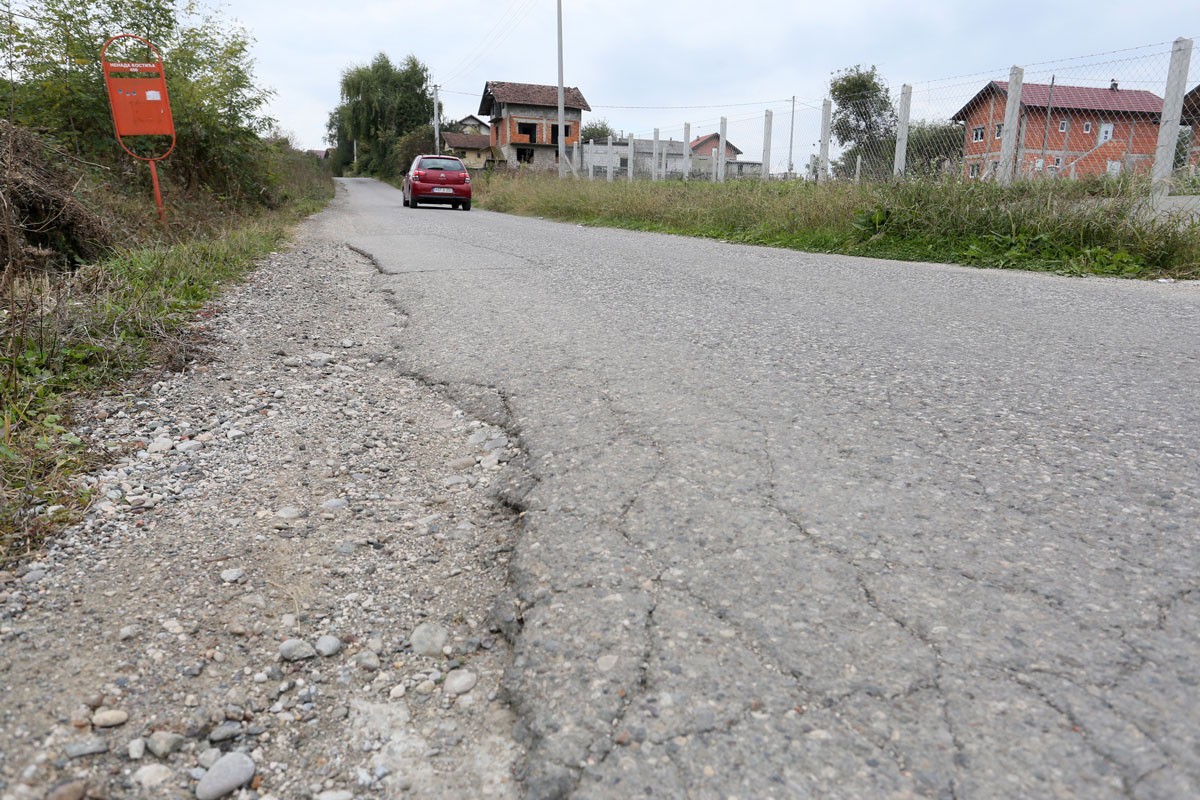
x: 1131, y: 113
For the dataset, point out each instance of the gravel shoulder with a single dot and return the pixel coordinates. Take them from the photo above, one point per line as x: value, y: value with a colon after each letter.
x: 285, y: 585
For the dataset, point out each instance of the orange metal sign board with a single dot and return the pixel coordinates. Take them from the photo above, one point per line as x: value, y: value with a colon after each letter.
x: 137, y: 93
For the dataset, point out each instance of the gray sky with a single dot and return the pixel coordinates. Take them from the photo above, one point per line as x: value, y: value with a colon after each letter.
x: 643, y: 64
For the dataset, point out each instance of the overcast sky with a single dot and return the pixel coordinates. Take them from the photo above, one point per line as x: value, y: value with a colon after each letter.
x: 645, y: 64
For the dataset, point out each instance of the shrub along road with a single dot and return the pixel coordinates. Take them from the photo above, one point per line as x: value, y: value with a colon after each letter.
x: 806, y: 525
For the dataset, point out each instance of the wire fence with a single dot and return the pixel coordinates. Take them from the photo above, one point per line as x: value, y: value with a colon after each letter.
x: 1075, y: 118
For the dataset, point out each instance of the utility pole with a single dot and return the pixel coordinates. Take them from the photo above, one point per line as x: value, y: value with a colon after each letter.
x: 792, y: 137
x: 437, y: 127
x: 562, y: 114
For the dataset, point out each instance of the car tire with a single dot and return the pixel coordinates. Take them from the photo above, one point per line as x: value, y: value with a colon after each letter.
x: 454, y: 206
x: 405, y: 201
x: 412, y: 202
x: 466, y: 205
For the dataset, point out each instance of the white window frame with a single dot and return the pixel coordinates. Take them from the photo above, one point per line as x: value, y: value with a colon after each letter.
x: 1058, y: 162
x: 974, y: 171
x: 1063, y: 125
x: 977, y: 134
x: 1087, y: 127
x: 999, y: 129
x: 1107, y: 131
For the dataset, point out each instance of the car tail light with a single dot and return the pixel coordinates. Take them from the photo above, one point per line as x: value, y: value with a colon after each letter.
x: 419, y: 174
x: 466, y: 177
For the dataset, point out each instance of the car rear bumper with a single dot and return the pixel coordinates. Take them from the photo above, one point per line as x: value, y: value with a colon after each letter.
x: 424, y: 192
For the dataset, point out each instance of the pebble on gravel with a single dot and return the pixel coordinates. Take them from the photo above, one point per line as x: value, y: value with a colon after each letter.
x: 86, y: 747
x: 110, y: 717
x: 74, y: 790
x: 233, y: 575
x: 232, y: 771
x: 328, y: 645
x: 163, y: 743
x: 459, y: 681
x: 152, y: 775
x: 137, y: 749
x: 296, y: 650
x: 428, y: 639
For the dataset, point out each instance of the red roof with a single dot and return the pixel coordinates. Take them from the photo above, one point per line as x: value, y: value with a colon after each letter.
x: 466, y: 141
x: 1077, y: 98
x: 529, y: 94
x: 715, y: 139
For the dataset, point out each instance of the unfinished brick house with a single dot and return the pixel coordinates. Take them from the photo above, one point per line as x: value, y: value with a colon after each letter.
x: 524, y: 121
x: 1191, y: 120
x: 1072, y: 130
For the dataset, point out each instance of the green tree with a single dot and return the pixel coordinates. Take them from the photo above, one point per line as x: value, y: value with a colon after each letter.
x: 932, y: 146
x: 598, y: 130
x: 380, y: 103
x: 863, y: 123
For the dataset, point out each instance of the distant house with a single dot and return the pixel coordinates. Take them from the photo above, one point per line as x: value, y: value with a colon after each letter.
x: 523, y: 120
x: 1191, y: 120
x: 704, y: 146
x: 1074, y: 130
x: 475, y: 149
x: 473, y: 124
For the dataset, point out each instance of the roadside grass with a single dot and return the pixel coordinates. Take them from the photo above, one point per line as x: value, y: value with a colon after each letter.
x: 65, y: 333
x: 1084, y: 227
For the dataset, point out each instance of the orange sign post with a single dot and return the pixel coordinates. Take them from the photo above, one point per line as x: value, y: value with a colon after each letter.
x: 137, y: 94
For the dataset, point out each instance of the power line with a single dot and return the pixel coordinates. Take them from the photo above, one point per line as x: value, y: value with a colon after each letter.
x: 499, y: 32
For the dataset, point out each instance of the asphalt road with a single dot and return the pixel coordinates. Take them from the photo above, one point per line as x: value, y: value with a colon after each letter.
x: 814, y: 526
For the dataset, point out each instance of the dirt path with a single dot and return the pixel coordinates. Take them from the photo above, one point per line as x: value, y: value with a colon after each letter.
x: 284, y: 586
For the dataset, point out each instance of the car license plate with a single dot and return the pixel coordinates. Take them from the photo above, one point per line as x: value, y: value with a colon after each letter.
x: 443, y: 190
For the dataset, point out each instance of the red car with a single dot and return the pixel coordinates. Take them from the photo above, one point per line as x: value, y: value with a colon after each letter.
x: 443, y: 180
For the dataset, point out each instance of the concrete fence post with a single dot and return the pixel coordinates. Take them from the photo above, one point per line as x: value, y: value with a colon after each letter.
x: 1012, y: 128
x: 632, y: 159
x: 1168, y: 129
x: 687, y: 149
x: 766, y: 156
x: 591, y: 159
x: 611, y: 156
x: 826, y: 126
x: 721, y: 155
x: 654, y: 158
x: 714, y: 165
x: 901, y: 158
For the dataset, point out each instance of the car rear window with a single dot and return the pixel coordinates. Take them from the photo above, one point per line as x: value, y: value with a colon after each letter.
x: 442, y: 163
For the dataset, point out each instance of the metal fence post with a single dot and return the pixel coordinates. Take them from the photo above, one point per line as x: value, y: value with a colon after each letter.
x: 766, y: 158
x: 1168, y: 128
x: 1012, y: 127
x: 721, y: 155
x: 610, y: 158
x: 826, y: 125
x: 899, y: 162
x: 687, y: 149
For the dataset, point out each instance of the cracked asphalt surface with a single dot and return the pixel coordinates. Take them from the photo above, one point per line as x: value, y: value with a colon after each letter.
x: 806, y: 525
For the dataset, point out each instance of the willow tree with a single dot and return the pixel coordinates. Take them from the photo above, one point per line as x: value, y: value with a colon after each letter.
x: 380, y: 103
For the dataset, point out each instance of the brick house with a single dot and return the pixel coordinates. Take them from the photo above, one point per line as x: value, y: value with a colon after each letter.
x: 524, y: 121
x: 1191, y: 118
x: 704, y: 145
x: 1074, y: 130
